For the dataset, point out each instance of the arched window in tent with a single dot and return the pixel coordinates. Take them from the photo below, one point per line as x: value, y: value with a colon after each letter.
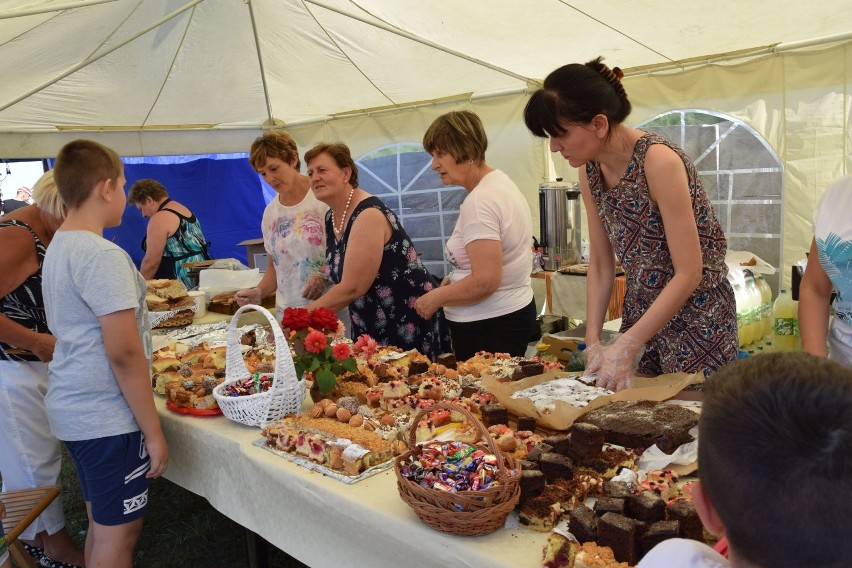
x: 401, y: 176
x: 743, y: 177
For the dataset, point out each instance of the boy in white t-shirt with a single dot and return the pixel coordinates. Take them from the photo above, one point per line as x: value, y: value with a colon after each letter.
x: 99, y: 384
x: 775, y: 448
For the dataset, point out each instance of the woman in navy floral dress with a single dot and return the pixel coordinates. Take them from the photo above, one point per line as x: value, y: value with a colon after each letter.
x: 647, y: 206
x: 370, y: 259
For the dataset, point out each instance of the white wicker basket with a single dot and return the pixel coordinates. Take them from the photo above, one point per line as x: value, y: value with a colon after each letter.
x: 286, y: 394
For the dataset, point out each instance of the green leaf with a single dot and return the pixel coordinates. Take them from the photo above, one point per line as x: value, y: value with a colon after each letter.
x: 350, y: 365
x: 325, y: 380
x: 300, y: 370
x: 314, y: 365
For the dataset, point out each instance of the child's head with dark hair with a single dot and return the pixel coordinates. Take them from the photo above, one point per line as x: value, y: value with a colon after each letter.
x: 775, y: 455
x: 575, y: 94
x: 80, y: 166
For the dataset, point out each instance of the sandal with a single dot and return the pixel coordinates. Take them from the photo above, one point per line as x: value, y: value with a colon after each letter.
x: 46, y: 562
x: 34, y: 551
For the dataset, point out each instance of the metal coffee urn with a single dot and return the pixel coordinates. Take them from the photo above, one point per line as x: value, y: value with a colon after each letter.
x: 559, y: 214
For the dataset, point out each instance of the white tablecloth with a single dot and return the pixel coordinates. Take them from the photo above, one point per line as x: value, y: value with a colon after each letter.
x: 316, y: 519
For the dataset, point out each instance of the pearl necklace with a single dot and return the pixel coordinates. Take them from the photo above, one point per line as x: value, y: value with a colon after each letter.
x: 339, y: 230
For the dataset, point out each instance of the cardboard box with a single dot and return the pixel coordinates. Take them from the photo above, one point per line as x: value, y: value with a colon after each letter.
x: 253, y: 247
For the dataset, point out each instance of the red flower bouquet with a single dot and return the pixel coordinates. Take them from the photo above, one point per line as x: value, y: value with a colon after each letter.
x: 312, y: 336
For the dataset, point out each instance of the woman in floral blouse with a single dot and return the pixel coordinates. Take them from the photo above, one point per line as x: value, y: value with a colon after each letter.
x: 371, y: 260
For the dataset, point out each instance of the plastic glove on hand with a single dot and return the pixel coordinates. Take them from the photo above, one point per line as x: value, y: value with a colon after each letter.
x: 619, y: 362
x: 314, y: 286
x: 248, y: 296
x: 592, y: 358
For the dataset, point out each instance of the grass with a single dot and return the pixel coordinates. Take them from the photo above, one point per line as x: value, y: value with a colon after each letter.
x: 180, y: 530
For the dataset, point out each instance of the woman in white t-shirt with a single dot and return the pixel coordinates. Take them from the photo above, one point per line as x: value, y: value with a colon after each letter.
x: 293, y: 228
x: 829, y: 268
x: 487, y: 298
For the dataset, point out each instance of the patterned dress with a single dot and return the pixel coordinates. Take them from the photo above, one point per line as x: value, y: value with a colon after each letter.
x: 24, y: 305
x: 386, y: 312
x: 186, y: 244
x: 703, y: 333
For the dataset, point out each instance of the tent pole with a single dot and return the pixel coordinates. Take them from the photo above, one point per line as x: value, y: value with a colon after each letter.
x: 260, y: 63
x: 51, y: 8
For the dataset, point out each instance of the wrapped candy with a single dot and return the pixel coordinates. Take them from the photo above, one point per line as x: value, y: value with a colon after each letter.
x: 452, y: 467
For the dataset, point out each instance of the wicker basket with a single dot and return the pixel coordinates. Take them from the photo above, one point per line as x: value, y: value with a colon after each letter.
x: 286, y: 394
x: 466, y: 513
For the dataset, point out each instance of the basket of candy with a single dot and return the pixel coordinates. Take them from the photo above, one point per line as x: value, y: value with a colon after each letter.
x: 458, y: 488
x: 261, y: 398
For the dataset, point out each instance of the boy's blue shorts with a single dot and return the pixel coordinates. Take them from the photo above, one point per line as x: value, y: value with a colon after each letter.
x: 112, y: 472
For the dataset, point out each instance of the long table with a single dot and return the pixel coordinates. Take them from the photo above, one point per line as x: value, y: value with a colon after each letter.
x: 566, y: 295
x: 316, y: 519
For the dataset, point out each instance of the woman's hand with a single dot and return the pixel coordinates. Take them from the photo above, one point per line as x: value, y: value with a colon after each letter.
x: 43, y: 347
x: 314, y: 286
x: 248, y: 296
x: 592, y: 358
x: 427, y: 304
x: 618, y: 363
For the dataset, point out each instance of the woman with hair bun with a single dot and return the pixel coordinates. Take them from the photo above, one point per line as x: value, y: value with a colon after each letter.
x: 646, y: 205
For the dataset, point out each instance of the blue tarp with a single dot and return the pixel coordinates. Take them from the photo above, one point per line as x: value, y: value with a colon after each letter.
x: 223, y: 191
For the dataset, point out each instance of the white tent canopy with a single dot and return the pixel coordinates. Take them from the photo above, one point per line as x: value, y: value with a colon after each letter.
x: 212, y: 66
x: 159, y: 77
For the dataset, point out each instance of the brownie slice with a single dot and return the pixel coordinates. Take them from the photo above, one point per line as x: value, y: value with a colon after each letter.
x: 526, y: 423
x: 583, y: 523
x: 539, y: 450
x: 417, y: 367
x: 618, y: 489
x: 494, y: 414
x: 619, y: 533
x: 657, y: 533
x: 527, y: 464
x: 532, y: 483
x: 556, y: 466
x: 605, y: 505
x: 646, y: 506
x: 587, y: 434
x: 448, y: 360
x: 558, y: 442
x: 531, y: 368
x: 690, y: 524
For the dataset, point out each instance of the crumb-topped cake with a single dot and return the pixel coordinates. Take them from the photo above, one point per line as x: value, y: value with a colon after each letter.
x: 641, y: 424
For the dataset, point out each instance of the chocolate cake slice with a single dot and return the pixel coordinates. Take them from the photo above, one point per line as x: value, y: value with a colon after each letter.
x: 559, y: 443
x: 690, y: 524
x: 532, y: 484
x: 605, y: 505
x: 556, y: 466
x: 539, y: 450
x: 657, y: 533
x: 583, y: 523
x: 618, y: 489
x: 619, y: 533
x: 494, y: 414
x: 646, y: 506
x: 641, y: 424
x: 526, y: 423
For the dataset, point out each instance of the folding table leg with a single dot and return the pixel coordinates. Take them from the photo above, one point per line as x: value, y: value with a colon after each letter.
x: 257, y: 549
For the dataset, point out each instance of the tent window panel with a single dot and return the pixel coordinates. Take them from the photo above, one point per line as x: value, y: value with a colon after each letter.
x: 403, y: 179
x: 419, y: 227
x: 757, y: 185
x: 450, y: 223
x: 742, y: 175
x: 756, y: 219
x: 419, y: 203
x: 716, y: 185
x: 431, y: 250
x: 372, y: 185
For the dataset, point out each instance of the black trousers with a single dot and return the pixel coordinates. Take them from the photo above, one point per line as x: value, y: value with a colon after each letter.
x: 508, y: 333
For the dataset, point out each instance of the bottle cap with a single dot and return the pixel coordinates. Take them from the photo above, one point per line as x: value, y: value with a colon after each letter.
x: 581, y: 346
